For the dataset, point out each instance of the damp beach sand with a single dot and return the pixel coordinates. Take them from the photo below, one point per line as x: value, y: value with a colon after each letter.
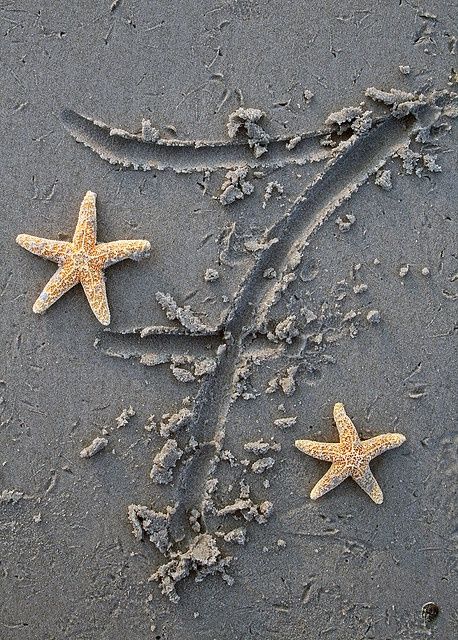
x: 294, y: 172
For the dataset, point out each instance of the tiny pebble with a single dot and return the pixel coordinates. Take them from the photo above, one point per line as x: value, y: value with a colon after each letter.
x: 425, y: 271
x: 404, y: 270
x: 373, y: 316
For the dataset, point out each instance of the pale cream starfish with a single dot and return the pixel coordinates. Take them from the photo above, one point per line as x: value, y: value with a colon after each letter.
x: 349, y: 457
x: 82, y: 260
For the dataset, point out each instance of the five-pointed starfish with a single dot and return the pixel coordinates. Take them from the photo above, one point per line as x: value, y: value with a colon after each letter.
x: 82, y: 260
x: 349, y: 457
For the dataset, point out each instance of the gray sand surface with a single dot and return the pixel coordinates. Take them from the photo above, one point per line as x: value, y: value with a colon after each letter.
x: 149, y: 483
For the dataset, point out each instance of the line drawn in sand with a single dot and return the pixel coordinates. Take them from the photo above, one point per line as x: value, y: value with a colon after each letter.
x: 183, y: 531
x: 147, y: 152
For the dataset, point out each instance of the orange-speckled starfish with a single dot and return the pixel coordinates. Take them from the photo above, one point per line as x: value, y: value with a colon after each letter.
x: 349, y: 457
x: 82, y: 260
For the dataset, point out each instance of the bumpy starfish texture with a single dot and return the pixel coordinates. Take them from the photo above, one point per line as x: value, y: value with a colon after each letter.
x: 82, y: 260
x: 349, y: 457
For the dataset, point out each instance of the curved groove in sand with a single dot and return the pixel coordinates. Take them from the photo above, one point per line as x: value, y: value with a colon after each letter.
x: 185, y: 156
x: 360, y: 158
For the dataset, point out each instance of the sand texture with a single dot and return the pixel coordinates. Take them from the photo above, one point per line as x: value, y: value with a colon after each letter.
x: 290, y: 170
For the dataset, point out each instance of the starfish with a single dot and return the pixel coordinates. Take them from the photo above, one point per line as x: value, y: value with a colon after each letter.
x: 82, y: 260
x: 349, y: 457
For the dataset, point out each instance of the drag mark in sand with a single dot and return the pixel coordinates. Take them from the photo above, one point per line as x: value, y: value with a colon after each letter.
x: 184, y: 156
x: 356, y: 160
x: 350, y: 164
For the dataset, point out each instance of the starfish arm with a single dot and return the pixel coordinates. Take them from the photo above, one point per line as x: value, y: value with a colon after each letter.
x: 113, y: 252
x: 375, y: 446
x: 61, y: 282
x: 54, y: 250
x: 85, y: 234
x: 336, y: 474
x: 94, y: 287
x: 369, y: 484
x: 320, y: 450
x: 345, y: 426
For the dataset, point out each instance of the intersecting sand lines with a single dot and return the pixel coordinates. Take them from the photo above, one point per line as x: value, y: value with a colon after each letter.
x: 185, y: 156
x: 360, y: 157
x: 350, y: 167
x: 347, y: 169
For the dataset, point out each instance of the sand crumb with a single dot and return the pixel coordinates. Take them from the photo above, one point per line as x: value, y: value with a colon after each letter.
x: 293, y: 142
x: 285, y: 331
x: 164, y: 462
x: 153, y: 524
x: 98, y: 444
x: 235, y: 536
x: 383, y: 179
x: 373, y: 316
x: 345, y: 115
x: 184, y: 315
x: 171, y: 423
x: 202, y: 558
x: 235, y: 186
x: 285, y: 423
x: 123, y: 419
x: 247, y: 120
x: 308, y: 95
x: 211, y: 275
x: 345, y: 221
x: 246, y: 508
x: 270, y: 188
x: 149, y: 133
x: 260, y: 447
x: 10, y: 496
x: 261, y: 465
x: 151, y: 424
x: 285, y: 381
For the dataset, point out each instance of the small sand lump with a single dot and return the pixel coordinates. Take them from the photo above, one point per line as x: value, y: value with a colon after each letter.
x: 96, y: 445
x: 404, y: 270
x: 345, y: 222
x: 373, y: 316
x: 262, y: 464
x: 124, y: 417
x: 285, y: 423
x: 211, y: 275
x: 165, y: 461
x: 247, y: 120
x: 383, y: 179
x: 235, y: 186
